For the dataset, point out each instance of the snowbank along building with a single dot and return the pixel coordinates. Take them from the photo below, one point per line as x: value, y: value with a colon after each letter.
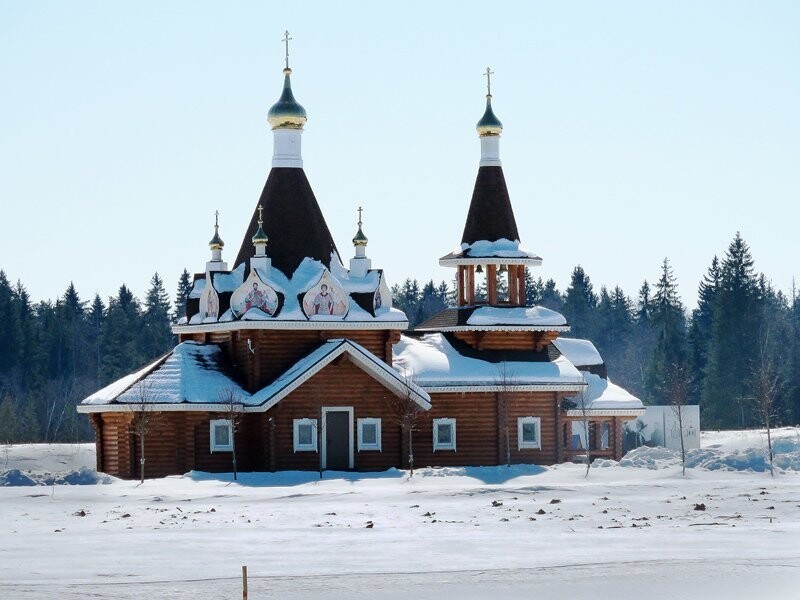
x: 301, y: 361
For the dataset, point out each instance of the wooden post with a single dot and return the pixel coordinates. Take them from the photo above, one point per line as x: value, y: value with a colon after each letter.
x: 244, y: 582
x: 521, y: 284
x: 471, y: 285
x: 491, y: 284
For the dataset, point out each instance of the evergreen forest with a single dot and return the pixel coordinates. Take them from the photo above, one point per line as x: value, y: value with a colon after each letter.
x: 55, y: 353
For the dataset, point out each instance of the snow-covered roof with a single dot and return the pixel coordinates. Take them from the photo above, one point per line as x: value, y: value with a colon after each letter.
x: 581, y: 353
x: 191, y: 378
x: 189, y: 374
x: 436, y: 365
x: 318, y: 359
x: 600, y: 394
x: 502, y: 251
x: 521, y: 315
x: 305, y: 277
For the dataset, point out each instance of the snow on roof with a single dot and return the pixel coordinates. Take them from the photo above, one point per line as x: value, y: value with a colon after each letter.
x: 501, y: 248
x: 190, y: 373
x: 581, y: 353
x: 318, y: 359
x: 601, y: 394
x: 535, y: 315
x: 433, y: 362
x: 228, y: 281
x: 197, y: 288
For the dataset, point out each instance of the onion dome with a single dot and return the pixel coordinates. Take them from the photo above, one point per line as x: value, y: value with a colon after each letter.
x: 360, y: 239
x: 260, y: 236
x: 287, y: 113
x: 489, y: 123
x: 216, y: 242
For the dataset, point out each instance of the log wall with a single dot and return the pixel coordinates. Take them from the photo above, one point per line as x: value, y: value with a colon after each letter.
x: 507, y: 340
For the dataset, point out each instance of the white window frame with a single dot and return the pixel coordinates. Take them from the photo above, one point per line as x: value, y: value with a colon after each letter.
x: 298, y: 447
x: 213, y: 443
x: 521, y: 443
x: 363, y: 445
x: 443, y: 446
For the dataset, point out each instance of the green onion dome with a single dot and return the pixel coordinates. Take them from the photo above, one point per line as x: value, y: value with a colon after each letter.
x: 287, y: 113
x: 360, y: 239
x: 260, y: 237
x: 489, y: 123
x: 216, y: 242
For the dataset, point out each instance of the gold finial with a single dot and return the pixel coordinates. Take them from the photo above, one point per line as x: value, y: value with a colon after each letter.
x: 488, y: 75
x: 216, y: 219
x: 286, y: 40
x: 359, y: 216
x: 260, y: 218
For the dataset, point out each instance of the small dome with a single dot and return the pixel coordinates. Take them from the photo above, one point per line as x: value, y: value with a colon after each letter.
x: 216, y: 242
x: 287, y: 113
x: 360, y: 239
x: 260, y: 237
x: 489, y: 123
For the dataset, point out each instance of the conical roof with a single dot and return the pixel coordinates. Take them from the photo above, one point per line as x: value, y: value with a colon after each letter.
x: 490, y: 214
x: 293, y: 222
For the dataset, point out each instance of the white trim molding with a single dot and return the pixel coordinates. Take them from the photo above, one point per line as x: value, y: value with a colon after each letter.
x: 560, y: 328
x: 367, y: 446
x: 350, y: 441
x: 215, y: 446
x: 440, y: 388
x: 299, y: 445
x: 522, y: 443
x: 287, y: 324
x: 444, y: 445
x: 607, y: 412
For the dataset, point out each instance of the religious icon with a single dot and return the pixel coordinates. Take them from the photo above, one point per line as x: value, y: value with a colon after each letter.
x: 209, y: 302
x: 254, y: 294
x: 325, y: 299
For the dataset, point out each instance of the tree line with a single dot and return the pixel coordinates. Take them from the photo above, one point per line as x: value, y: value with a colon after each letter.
x: 55, y: 353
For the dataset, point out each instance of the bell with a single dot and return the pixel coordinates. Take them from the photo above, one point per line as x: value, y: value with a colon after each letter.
x: 503, y: 269
x: 479, y: 269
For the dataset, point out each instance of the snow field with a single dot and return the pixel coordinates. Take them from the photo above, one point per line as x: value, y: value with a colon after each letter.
x: 625, y: 531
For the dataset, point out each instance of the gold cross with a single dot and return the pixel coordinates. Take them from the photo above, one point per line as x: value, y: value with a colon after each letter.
x: 260, y: 220
x: 359, y: 215
x: 489, y: 74
x: 285, y: 40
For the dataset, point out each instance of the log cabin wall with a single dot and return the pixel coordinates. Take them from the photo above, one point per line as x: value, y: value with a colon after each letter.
x: 340, y: 384
x: 117, y: 441
x: 480, y: 428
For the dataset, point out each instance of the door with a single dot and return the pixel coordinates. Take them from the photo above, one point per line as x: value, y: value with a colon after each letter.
x: 337, y: 440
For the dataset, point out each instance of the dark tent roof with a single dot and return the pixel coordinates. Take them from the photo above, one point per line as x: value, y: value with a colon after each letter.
x: 490, y: 214
x: 292, y: 220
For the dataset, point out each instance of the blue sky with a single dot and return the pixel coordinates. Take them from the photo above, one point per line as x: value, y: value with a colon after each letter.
x: 633, y: 131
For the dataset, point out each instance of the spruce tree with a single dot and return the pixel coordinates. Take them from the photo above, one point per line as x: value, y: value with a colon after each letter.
x: 156, y: 335
x: 184, y: 287
x: 550, y: 296
x: 700, y: 330
x: 119, y: 342
x: 669, y: 325
x: 579, y: 306
x: 733, y: 346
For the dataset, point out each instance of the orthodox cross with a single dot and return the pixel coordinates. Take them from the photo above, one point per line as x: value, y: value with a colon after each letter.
x: 285, y: 40
x: 489, y: 74
x: 216, y: 219
x: 260, y: 219
x: 359, y: 215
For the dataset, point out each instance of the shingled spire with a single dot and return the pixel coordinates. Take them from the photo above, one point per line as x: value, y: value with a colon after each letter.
x: 292, y: 218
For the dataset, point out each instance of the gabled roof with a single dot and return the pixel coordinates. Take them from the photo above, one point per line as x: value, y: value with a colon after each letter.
x: 313, y: 363
x: 293, y: 222
x: 581, y: 353
x: 194, y: 377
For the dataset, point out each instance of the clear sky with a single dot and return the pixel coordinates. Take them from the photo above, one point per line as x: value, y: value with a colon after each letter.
x: 633, y: 131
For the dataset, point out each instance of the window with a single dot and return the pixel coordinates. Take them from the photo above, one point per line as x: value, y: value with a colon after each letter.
x: 305, y: 435
x: 605, y: 435
x: 369, y: 434
x: 221, y: 436
x: 528, y: 430
x: 444, y: 434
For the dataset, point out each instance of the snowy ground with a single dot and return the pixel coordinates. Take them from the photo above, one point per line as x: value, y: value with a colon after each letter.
x: 631, y: 530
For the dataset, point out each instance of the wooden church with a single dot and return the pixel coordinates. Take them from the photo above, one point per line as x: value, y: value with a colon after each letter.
x: 299, y: 361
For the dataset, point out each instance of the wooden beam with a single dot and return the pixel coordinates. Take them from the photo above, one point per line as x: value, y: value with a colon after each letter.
x: 491, y: 284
